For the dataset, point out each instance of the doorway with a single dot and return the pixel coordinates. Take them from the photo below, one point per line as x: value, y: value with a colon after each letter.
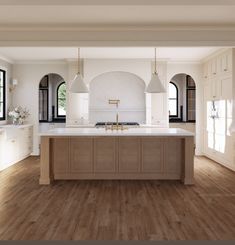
x: 182, y: 102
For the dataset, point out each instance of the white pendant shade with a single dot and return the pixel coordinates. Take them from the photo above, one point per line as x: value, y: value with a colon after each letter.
x: 155, y: 85
x: 78, y: 85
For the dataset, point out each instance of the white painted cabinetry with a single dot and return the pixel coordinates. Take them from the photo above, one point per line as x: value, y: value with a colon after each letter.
x: 16, y: 143
x: 218, y: 96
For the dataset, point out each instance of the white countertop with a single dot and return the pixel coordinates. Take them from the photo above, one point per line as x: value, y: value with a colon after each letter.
x: 126, y: 132
x: 7, y: 126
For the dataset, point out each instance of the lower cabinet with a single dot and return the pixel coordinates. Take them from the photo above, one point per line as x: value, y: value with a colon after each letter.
x: 117, y: 156
x: 16, y: 143
x: 152, y: 155
x: 105, y: 154
x: 60, y: 155
x: 81, y: 155
x: 174, y: 155
x: 129, y: 154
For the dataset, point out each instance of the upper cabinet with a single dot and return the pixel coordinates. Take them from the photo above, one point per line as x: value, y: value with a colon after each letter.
x: 219, y: 65
x: 226, y: 62
x: 217, y: 73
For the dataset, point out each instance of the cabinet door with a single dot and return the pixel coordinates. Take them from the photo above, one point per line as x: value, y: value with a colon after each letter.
x: 25, y: 142
x: 173, y: 147
x: 216, y: 88
x: 205, y: 70
x: 60, y: 155
x: 207, y: 91
x: 226, y: 88
x: 105, y: 154
x: 152, y: 155
x: 81, y: 154
x: 214, y: 67
x: 10, y: 153
x: 129, y: 154
x: 226, y: 62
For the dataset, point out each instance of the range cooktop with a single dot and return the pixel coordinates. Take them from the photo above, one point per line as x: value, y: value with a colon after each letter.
x: 102, y: 124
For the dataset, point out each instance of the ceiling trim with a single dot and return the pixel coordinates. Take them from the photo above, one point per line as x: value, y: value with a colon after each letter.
x: 40, y: 62
x: 114, y: 2
x: 113, y: 28
x: 119, y: 38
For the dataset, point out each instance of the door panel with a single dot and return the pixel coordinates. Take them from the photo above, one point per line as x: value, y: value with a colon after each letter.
x: 152, y: 155
x: 105, y: 154
x: 129, y: 154
x: 81, y: 154
x: 60, y: 155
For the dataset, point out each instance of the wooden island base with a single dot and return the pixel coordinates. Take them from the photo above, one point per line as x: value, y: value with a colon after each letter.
x: 117, y: 157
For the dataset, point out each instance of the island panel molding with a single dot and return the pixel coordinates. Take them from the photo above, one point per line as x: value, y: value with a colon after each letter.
x: 117, y: 157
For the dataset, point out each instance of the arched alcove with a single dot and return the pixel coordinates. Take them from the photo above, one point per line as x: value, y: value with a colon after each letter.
x: 124, y: 86
x: 52, y: 98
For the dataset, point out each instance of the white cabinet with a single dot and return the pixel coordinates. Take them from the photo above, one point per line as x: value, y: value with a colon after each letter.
x: 16, y: 143
x: 226, y: 87
x: 226, y: 62
x: 218, y: 96
x: 25, y: 141
x: 205, y: 70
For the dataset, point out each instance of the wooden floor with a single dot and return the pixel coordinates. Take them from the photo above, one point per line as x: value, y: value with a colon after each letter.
x: 117, y: 210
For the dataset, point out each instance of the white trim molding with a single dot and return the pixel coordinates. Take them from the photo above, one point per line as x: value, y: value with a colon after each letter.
x: 118, y: 36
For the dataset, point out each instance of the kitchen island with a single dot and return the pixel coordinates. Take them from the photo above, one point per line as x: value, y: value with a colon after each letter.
x: 134, y: 153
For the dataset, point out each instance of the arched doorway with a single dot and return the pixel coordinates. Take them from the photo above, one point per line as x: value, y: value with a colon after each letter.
x: 182, y: 102
x: 182, y: 98
x: 52, y: 98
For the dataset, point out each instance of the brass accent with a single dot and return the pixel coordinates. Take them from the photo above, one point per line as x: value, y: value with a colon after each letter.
x: 116, y: 126
x: 114, y: 102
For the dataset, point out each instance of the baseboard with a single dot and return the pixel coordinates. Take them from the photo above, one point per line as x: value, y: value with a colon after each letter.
x: 220, y: 162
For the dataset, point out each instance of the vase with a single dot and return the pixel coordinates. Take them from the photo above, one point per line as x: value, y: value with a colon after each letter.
x: 17, y: 121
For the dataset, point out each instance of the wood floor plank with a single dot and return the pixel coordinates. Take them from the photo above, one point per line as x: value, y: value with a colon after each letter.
x: 117, y: 210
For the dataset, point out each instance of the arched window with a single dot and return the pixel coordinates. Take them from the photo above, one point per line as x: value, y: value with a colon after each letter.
x: 61, y: 100
x: 173, y: 100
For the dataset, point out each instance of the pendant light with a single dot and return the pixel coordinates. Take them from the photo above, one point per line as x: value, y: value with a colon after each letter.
x: 155, y: 85
x: 78, y: 85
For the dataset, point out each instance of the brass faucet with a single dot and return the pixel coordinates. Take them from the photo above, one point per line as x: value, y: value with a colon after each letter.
x: 116, y: 126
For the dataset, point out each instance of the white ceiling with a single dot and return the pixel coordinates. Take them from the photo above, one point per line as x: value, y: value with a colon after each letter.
x: 15, y: 54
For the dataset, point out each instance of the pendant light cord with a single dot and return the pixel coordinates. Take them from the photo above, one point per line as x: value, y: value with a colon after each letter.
x: 155, y: 61
x: 78, y: 61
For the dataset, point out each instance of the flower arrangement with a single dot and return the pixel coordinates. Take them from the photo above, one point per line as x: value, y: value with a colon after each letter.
x: 18, y: 115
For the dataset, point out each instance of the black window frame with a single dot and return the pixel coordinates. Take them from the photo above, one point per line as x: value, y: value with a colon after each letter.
x: 177, y: 102
x: 188, y: 88
x: 3, y: 87
x: 57, y: 101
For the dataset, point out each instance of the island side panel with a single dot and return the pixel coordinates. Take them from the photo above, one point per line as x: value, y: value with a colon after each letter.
x: 45, y: 168
x: 188, y: 169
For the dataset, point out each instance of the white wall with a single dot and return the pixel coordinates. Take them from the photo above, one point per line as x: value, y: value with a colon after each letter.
x: 195, y: 71
x: 156, y: 105
x: 123, y: 86
x: 26, y: 93
x: 95, y: 67
x: 8, y: 68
